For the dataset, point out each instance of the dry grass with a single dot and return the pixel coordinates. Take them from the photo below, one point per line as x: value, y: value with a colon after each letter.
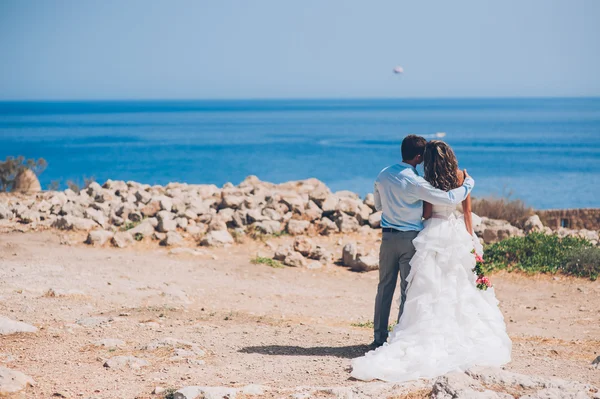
x: 515, y: 211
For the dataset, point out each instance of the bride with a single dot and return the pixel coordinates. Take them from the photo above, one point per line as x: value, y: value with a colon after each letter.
x: 448, y: 324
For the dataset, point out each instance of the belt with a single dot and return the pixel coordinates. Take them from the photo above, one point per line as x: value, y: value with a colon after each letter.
x: 390, y: 230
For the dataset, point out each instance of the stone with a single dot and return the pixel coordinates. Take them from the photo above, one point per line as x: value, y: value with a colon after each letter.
x: 282, y: 252
x: 8, y: 326
x: 217, y: 238
x: 166, y: 225
x: 143, y: 196
x: 151, y: 209
x: 97, y: 216
x: 326, y: 226
x: 110, y: 343
x: 321, y: 254
x: 172, y: 238
x: 270, y: 214
x: 193, y: 392
x: 98, y: 237
x: 492, y: 230
x: 296, y: 227
x: 303, y: 244
x: 120, y: 362
x: 375, y: 220
x: 196, y: 230
x: 27, y: 182
x: 145, y: 229
x: 347, y: 194
x: 370, y: 201
x: 232, y: 201
x: 166, y: 203
x: 181, y: 222
x: 312, y: 211
x: 461, y: 385
x: 122, y: 239
x: 295, y: 203
x: 365, y: 264
x: 13, y: 381
x: 533, y: 224
x: 349, y: 254
x: 267, y: 227
x: 5, y: 213
x: 73, y: 223
x: 29, y: 216
x: 346, y: 223
x: 349, y: 206
x: 294, y: 259
x: 329, y: 205
x: 596, y: 362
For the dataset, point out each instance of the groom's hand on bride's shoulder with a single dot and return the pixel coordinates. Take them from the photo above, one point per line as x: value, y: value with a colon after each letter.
x: 466, y: 174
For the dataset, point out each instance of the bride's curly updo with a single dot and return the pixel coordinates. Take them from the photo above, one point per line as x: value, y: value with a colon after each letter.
x: 440, y: 165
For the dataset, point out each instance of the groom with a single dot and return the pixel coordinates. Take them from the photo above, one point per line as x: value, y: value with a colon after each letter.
x: 399, y: 194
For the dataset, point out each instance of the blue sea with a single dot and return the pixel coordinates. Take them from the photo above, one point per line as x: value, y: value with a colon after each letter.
x: 544, y: 151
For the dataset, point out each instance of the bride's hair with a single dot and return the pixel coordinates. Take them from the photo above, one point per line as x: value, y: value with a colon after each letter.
x: 441, y: 166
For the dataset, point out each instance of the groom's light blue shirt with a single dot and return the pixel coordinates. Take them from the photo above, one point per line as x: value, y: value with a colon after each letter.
x: 400, y: 192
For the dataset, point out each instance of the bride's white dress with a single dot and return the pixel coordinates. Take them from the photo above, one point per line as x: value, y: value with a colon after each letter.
x: 448, y: 324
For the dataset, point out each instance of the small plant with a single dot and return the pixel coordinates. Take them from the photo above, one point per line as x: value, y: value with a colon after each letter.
x: 138, y: 236
x: 11, y: 167
x: 129, y: 225
x: 170, y: 393
x: 267, y: 261
x: 583, y: 262
x: 77, y: 186
x: 369, y: 324
x: 238, y: 236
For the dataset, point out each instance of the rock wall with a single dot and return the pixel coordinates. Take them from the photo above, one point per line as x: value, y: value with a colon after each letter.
x: 571, y: 218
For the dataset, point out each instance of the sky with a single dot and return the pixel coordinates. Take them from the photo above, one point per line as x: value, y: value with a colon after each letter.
x: 150, y: 49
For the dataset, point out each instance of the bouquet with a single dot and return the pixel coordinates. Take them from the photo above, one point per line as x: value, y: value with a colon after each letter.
x: 483, y: 283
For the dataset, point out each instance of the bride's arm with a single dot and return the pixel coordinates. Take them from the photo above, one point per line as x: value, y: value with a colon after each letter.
x: 427, y: 210
x: 466, y: 205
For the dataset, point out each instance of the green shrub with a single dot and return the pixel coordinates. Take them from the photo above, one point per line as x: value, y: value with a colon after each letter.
x: 534, y: 253
x: 267, y: 261
x: 11, y: 167
x: 583, y: 262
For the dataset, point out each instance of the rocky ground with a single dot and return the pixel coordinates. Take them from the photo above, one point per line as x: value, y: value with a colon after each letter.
x: 124, y: 323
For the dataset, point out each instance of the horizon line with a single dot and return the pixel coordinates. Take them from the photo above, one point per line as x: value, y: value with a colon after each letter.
x: 230, y: 99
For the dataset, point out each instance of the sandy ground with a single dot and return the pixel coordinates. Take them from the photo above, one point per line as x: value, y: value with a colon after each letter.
x: 281, y: 327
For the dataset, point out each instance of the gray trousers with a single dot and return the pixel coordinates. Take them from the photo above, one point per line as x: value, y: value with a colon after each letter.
x: 395, y: 254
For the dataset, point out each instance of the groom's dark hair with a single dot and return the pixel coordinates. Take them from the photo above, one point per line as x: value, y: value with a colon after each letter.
x: 412, y: 145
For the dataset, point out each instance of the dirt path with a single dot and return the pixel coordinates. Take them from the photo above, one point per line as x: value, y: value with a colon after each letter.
x: 254, y: 324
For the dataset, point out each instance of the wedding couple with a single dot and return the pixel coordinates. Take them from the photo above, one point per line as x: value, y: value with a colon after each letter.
x: 445, y: 322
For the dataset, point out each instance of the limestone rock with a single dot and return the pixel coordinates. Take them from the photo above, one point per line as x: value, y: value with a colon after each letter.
x: 73, y: 223
x: 172, y: 238
x: 365, y: 263
x: 151, y: 209
x: 297, y: 227
x: 303, y: 244
x: 346, y: 223
x: 217, y: 238
x: 267, y: 227
x: 8, y: 326
x: 294, y: 259
x: 349, y: 254
x: 282, y: 252
x: 26, y: 182
x: 166, y: 225
x: 13, y: 381
x: 375, y: 220
x: 122, y: 239
x: 98, y: 237
x: 532, y: 224
x: 145, y: 229
x: 326, y: 226
x: 321, y: 254
x: 370, y: 201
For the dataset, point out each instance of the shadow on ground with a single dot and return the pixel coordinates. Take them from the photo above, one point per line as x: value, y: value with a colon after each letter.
x: 282, y: 350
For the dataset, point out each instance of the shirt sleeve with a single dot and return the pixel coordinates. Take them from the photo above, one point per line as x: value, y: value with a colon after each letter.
x: 427, y: 192
x: 378, y: 206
